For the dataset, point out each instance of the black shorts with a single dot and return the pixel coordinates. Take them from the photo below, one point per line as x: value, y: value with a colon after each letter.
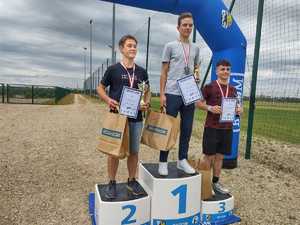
x: 217, y: 141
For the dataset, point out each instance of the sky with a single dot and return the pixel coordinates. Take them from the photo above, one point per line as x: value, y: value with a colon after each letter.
x: 41, y: 42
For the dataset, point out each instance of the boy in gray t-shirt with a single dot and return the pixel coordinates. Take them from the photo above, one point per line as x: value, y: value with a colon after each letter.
x: 180, y: 58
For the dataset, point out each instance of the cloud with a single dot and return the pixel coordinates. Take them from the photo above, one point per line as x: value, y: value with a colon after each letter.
x: 45, y: 39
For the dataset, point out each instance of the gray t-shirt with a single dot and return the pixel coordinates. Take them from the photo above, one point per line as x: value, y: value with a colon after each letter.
x: 174, y: 54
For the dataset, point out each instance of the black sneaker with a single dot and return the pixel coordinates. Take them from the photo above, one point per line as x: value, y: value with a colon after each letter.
x: 111, y: 190
x: 134, y: 187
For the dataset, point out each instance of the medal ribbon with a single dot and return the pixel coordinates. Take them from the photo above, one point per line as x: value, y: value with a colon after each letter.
x: 186, y: 54
x: 222, y: 90
x: 130, y: 77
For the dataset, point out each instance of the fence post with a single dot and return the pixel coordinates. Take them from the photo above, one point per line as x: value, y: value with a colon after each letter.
x: 32, y: 94
x: 7, y: 93
x: 254, y: 78
x: 3, y: 92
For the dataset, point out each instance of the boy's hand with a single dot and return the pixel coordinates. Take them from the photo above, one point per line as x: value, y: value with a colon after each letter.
x: 163, y: 100
x: 239, y: 110
x: 216, y: 109
x: 198, y: 104
x: 113, y: 104
x: 145, y: 106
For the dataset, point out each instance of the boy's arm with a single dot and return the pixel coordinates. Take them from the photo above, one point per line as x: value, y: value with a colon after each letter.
x: 201, y: 104
x: 163, y: 81
x: 109, y: 101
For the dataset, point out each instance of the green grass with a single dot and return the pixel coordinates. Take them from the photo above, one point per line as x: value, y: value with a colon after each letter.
x: 280, y: 121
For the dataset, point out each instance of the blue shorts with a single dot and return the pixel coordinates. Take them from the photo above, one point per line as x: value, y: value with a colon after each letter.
x: 135, y: 131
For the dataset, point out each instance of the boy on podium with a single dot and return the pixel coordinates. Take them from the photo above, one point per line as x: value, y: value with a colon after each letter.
x: 180, y: 58
x: 217, y: 135
x: 125, y: 73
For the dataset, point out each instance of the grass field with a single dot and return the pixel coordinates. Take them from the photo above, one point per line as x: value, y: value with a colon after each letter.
x: 280, y: 121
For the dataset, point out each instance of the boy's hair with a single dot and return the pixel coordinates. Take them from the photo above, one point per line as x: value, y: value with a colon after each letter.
x: 125, y: 38
x: 183, y: 16
x: 223, y: 62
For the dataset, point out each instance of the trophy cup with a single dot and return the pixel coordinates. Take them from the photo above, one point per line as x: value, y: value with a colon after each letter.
x: 197, y: 76
x: 143, y: 87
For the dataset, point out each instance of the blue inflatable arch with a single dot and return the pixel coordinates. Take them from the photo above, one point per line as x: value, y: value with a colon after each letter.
x: 222, y: 35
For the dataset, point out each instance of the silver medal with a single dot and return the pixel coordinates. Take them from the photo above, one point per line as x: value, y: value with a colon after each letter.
x: 186, y: 70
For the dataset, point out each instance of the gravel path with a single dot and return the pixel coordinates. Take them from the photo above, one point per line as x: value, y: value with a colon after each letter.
x: 48, y: 165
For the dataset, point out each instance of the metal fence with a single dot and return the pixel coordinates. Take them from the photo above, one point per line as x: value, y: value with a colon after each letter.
x: 277, y: 100
x: 32, y: 94
x: 2, y: 93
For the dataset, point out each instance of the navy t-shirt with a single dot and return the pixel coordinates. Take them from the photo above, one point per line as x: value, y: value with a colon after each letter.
x: 116, y: 78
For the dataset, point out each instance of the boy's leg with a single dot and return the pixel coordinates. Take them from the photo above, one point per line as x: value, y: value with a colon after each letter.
x: 224, y: 147
x: 208, y: 161
x: 186, y: 127
x: 173, y: 105
x: 132, y: 162
x: 217, y: 166
x: 112, y: 168
x: 135, y: 130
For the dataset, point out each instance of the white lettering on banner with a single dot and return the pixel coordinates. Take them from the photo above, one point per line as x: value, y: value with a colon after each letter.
x: 236, y: 122
x: 236, y: 125
x: 238, y: 84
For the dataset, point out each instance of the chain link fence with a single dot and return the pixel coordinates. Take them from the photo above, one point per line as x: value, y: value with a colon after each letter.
x: 277, y: 112
x: 32, y: 94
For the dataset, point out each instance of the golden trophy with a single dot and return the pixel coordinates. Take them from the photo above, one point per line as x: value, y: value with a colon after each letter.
x: 143, y: 87
x: 197, y: 75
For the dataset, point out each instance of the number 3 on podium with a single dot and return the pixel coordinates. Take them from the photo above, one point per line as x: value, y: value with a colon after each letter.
x: 181, y: 191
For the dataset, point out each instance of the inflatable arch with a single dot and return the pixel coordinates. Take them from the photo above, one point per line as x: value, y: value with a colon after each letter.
x: 222, y: 35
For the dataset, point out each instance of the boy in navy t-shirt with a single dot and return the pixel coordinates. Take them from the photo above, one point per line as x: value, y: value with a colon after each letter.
x: 125, y: 73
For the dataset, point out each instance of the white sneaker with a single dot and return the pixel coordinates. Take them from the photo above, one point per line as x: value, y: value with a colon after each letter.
x: 219, y: 188
x: 163, y: 168
x: 185, y: 166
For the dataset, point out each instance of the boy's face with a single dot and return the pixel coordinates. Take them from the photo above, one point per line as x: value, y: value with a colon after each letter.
x: 186, y: 27
x: 129, y: 49
x: 223, y: 72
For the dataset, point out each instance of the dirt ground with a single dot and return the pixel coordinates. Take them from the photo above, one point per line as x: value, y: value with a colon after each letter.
x: 48, y: 165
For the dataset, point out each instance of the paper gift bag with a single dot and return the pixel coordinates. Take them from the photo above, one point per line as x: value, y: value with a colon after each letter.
x: 160, y: 130
x: 206, y: 188
x: 114, y: 135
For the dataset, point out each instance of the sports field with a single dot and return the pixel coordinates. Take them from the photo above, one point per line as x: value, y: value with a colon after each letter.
x: 280, y: 121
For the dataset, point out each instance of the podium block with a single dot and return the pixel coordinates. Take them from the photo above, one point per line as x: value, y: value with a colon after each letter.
x: 125, y: 209
x: 175, y: 199
x: 218, y: 210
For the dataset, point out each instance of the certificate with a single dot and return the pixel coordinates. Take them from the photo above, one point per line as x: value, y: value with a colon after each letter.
x: 189, y: 90
x: 130, y: 102
x: 228, y: 109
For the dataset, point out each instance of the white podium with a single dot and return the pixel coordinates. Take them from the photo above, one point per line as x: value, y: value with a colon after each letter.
x: 175, y: 199
x: 125, y: 209
x: 168, y: 200
x: 218, y: 210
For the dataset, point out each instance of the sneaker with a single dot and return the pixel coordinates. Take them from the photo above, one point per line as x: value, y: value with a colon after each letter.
x: 111, y: 190
x: 163, y: 168
x: 218, y: 188
x: 134, y: 187
x: 185, y: 166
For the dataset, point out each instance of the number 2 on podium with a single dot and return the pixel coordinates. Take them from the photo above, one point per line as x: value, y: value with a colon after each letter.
x: 181, y: 191
x: 128, y: 219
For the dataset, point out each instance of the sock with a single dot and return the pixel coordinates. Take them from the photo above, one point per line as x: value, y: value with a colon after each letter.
x: 215, y: 179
